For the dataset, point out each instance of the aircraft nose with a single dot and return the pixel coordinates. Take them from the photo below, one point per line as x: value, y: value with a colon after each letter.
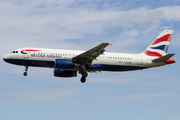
x: 5, y: 58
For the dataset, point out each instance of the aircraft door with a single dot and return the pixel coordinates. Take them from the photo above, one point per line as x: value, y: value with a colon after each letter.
x: 140, y: 60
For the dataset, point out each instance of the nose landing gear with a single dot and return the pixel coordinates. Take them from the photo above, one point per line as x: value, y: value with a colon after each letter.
x: 26, y: 69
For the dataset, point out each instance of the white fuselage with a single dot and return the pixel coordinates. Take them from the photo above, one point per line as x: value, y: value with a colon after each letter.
x: 110, y: 61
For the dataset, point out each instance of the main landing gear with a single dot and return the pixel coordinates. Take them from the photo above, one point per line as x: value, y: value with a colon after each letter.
x: 26, y: 69
x: 84, y: 75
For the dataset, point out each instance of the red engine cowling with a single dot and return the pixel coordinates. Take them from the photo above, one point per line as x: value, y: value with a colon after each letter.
x: 64, y: 73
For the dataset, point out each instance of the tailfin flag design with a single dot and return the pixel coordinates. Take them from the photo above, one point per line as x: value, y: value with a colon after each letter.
x: 159, y: 46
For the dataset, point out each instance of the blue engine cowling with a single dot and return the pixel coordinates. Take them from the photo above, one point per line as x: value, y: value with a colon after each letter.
x: 64, y: 73
x: 65, y: 64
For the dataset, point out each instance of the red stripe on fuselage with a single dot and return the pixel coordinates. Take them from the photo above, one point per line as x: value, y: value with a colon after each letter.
x: 31, y: 50
x: 162, y: 39
x: 155, y: 54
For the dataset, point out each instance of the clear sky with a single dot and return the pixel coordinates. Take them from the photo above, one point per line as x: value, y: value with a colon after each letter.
x: 151, y: 94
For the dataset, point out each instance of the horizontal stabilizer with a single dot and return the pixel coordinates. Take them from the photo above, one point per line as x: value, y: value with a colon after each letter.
x: 163, y: 58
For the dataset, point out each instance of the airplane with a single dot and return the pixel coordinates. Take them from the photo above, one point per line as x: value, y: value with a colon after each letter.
x: 67, y: 63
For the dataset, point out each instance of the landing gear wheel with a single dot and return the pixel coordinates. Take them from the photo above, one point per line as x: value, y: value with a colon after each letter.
x: 26, y: 69
x: 25, y: 73
x: 83, y: 79
x: 84, y: 74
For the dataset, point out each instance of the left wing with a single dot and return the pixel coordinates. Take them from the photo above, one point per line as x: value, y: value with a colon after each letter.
x: 88, y: 56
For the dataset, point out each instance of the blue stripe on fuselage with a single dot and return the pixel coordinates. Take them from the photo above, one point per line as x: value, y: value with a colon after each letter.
x: 120, y: 68
x: 35, y: 63
x: 38, y: 63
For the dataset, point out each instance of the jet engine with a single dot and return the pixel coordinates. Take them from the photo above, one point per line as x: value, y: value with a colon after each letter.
x: 65, y: 64
x: 64, y: 73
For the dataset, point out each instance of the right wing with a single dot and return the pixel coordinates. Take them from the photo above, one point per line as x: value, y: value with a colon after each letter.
x: 90, y: 55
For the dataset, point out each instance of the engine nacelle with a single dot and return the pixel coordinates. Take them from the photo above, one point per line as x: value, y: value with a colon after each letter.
x: 64, y: 73
x: 65, y: 64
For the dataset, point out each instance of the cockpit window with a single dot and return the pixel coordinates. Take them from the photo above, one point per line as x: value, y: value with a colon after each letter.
x: 14, y: 52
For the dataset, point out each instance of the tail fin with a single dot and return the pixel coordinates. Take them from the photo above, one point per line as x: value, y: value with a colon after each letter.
x: 159, y: 47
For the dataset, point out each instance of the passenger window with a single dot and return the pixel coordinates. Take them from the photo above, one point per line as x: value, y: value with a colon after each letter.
x: 16, y: 51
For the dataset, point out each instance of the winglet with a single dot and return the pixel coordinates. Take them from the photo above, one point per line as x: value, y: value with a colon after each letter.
x: 110, y: 43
